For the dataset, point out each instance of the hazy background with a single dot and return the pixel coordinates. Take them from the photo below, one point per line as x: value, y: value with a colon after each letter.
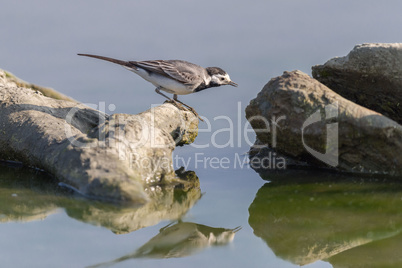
x: 253, y: 41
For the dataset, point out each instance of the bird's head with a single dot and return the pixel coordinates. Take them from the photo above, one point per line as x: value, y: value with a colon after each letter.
x: 219, y: 77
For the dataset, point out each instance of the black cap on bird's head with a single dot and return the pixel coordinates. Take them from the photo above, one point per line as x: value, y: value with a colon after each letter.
x: 219, y: 77
x: 215, y: 70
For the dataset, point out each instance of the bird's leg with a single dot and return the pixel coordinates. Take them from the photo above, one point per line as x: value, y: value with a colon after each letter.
x: 189, y: 107
x: 158, y: 90
x: 178, y: 103
x: 174, y: 102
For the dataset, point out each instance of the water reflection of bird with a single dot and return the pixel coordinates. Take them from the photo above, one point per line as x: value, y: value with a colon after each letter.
x: 179, y: 240
x: 183, y: 239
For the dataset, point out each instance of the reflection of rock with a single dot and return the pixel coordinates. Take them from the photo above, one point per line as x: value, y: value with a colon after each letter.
x: 169, y: 202
x: 179, y: 240
x: 104, y: 157
x: 25, y: 196
x: 34, y: 196
x: 317, y: 216
x: 380, y: 253
x: 360, y: 139
x: 370, y: 75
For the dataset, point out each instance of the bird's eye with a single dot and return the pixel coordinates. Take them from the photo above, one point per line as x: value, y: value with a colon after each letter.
x: 222, y: 78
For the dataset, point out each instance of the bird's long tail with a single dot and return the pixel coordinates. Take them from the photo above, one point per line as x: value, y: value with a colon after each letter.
x: 120, y: 62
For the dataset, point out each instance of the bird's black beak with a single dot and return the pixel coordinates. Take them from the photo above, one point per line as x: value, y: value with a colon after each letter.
x: 232, y: 84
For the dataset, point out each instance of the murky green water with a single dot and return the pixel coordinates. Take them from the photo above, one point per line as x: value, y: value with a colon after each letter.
x: 343, y: 220
x: 298, y: 218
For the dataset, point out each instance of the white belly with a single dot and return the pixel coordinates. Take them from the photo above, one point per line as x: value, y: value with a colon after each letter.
x: 168, y: 85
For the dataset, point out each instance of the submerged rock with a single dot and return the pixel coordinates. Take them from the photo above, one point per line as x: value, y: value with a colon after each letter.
x: 104, y: 157
x: 370, y: 75
x: 298, y: 116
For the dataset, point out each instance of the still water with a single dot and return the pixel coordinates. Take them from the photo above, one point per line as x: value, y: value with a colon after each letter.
x: 235, y: 218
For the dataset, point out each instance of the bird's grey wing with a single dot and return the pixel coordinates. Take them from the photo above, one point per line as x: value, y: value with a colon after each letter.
x: 185, y: 72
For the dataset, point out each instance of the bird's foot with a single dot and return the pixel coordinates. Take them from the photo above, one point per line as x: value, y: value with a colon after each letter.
x: 180, y: 106
x: 191, y: 109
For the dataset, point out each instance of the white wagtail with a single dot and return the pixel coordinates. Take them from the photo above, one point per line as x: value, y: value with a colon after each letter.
x: 175, y: 76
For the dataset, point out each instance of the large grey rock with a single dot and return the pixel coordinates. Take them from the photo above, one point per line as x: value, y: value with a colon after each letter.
x: 106, y: 157
x: 12, y: 80
x: 370, y: 75
x: 308, y: 121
